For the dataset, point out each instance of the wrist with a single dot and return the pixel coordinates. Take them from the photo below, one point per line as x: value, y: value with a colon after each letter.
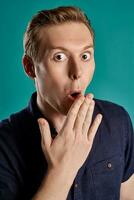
x: 63, y: 175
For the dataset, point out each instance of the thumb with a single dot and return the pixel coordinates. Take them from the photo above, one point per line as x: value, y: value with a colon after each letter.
x: 45, y: 132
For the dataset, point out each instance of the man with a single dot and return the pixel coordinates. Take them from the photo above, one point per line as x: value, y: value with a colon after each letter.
x: 65, y: 145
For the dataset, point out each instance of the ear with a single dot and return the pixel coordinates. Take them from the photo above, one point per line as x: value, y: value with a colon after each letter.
x: 28, y: 66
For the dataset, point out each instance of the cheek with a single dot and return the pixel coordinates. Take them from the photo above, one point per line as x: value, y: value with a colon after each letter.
x: 53, y: 84
x: 89, y: 72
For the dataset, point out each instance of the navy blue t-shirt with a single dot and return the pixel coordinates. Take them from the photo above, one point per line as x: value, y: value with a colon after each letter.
x: 23, y: 164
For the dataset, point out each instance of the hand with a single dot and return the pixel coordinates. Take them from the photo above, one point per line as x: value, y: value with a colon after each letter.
x: 73, y: 143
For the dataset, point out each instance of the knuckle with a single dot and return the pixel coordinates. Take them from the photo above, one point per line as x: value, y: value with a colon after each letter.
x: 85, y: 123
x: 68, y: 141
x: 97, y: 120
x: 91, y: 106
x: 80, y: 100
x: 86, y: 102
x: 78, y: 139
x: 81, y: 115
x: 73, y: 113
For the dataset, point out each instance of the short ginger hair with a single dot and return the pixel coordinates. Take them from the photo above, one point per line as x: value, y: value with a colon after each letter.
x: 45, y: 18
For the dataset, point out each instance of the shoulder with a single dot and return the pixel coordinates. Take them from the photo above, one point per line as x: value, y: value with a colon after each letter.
x: 105, y: 105
x: 15, y: 121
x: 16, y: 135
x: 111, y: 110
x: 115, y: 118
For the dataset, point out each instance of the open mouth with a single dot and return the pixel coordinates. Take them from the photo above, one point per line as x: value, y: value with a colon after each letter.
x: 75, y: 95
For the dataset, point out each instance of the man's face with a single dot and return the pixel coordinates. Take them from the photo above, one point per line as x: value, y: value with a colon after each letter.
x: 67, y: 64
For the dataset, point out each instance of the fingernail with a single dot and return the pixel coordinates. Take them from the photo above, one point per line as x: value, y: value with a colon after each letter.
x: 90, y: 96
x: 99, y: 116
x: 41, y: 121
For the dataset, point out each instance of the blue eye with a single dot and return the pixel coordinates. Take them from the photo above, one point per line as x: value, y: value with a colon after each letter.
x: 86, y: 56
x: 60, y: 57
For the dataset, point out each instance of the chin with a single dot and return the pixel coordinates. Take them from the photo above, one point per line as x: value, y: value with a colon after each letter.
x: 65, y: 108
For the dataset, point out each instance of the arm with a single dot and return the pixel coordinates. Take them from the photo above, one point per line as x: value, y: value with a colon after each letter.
x: 55, y: 186
x: 127, y: 189
x: 127, y: 186
x: 68, y: 151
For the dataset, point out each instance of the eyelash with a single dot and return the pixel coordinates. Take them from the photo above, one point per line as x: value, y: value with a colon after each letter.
x: 64, y: 55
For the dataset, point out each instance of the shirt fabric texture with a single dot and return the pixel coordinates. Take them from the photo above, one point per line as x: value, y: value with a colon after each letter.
x: 109, y: 163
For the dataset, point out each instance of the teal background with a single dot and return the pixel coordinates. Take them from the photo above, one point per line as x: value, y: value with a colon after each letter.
x: 113, y: 22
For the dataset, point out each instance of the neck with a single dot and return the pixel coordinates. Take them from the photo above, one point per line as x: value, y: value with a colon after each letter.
x: 56, y: 118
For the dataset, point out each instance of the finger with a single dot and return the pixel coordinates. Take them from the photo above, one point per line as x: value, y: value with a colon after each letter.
x: 93, y: 129
x: 71, y: 116
x: 88, y: 118
x: 82, y: 114
x: 45, y: 133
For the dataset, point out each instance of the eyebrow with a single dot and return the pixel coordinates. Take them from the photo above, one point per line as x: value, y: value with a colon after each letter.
x: 63, y: 48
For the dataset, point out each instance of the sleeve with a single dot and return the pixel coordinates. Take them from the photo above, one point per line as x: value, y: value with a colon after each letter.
x: 128, y: 148
x: 9, y: 186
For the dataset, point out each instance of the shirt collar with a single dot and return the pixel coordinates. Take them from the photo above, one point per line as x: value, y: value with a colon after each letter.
x: 36, y: 113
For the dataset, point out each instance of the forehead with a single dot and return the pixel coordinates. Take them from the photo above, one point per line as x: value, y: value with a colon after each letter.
x: 70, y: 35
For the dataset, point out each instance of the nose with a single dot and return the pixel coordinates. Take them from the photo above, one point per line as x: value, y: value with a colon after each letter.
x: 75, y: 70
